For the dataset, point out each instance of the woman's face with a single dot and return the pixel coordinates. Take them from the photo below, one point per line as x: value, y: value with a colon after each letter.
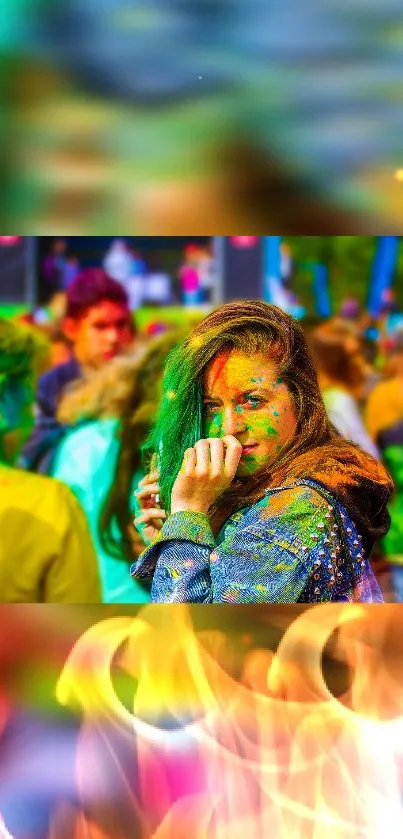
x: 245, y: 397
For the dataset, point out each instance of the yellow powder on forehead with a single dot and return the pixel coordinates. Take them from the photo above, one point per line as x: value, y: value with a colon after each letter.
x: 237, y: 371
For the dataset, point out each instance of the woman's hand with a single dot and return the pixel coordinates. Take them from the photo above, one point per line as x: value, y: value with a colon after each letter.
x: 207, y: 471
x: 151, y: 518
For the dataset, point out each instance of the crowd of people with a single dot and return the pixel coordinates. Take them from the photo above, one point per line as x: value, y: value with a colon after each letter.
x: 192, y: 284
x: 244, y: 458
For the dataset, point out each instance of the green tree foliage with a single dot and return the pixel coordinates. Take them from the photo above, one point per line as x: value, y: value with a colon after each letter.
x: 349, y: 260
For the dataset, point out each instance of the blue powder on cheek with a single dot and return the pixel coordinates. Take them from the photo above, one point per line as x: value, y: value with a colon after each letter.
x: 238, y: 409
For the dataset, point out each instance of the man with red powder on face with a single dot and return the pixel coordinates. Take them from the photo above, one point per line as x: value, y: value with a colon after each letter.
x: 99, y: 325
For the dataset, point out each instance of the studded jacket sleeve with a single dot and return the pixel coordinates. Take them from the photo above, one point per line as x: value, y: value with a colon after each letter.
x: 285, y: 549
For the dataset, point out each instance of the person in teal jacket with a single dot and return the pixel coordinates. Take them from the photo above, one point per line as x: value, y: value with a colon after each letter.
x: 86, y: 461
x: 100, y: 458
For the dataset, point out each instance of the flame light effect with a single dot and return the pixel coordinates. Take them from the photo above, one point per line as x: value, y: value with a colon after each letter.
x: 226, y: 738
x: 4, y: 834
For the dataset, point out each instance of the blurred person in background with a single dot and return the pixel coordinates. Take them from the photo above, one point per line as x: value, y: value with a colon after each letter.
x: 71, y: 270
x: 100, y: 457
x: 390, y: 442
x: 388, y: 329
x: 372, y: 372
x: 139, y: 267
x: 61, y: 348
x: 189, y: 276
x: 350, y: 310
x: 100, y: 327
x: 48, y: 316
x: 342, y: 378
x: 391, y: 317
x: 384, y: 420
x: 351, y: 324
x: 125, y: 265
x: 53, y: 268
x: 384, y: 406
x: 136, y: 284
x: 205, y: 269
x: 118, y: 262
x: 264, y: 501
x: 19, y: 344
x: 46, y: 552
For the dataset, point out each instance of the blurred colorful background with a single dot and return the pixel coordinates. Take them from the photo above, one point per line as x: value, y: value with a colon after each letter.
x: 151, y: 118
x: 252, y: 718
x: 291, y: 717
x: 309, y: 275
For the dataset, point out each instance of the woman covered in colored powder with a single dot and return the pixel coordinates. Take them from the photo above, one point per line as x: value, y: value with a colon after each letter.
x: 265, y: 501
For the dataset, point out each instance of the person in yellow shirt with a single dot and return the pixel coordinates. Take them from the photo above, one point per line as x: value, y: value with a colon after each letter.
x: 384, y: 418
x: 385, y: 404
x: 46, y: 551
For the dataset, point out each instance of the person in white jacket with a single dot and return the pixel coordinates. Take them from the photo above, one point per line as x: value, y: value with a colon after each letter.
x: 120, y: 264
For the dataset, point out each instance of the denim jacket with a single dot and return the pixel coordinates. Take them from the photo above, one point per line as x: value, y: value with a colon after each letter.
x: 297, y: 544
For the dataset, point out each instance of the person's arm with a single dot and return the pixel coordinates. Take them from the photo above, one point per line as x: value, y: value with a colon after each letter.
x: 50, y: 387
x: 37, y: 452
x: 45, y: 404
x: 267, y: 556
x: 72, y: 576
x: 177, y: 562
